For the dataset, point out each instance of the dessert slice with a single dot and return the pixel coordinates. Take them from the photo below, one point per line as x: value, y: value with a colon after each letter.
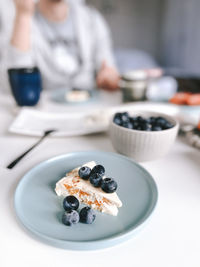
x: 94, y: 197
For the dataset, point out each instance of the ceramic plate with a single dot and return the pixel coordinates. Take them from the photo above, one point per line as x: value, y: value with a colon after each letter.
x: 35, y: 122
x: 59, y: 96
x: 40, y: 209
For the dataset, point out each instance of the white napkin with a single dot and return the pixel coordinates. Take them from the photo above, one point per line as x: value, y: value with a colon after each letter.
x: 35, y: 122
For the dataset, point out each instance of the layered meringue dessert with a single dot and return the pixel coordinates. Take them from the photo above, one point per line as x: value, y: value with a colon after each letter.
x: 90, y: 186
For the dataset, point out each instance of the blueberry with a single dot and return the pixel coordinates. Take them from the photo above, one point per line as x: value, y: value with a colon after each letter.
x: 117, y: 119
x: 146, y: 126
x: 84, y: 172
x: 95, y: 179
x: 168, y: 125
x: 156, y: 128
x: 139, y: 119
x: 135, y: 125
x: 120, y: 118
x: 133, y: 119
x: 152, y: 120
x: 70, y: 203
x: 134, y: 122
x: 109, y: 185
x: 128, y: 125
x: 125, y: 114
x: 145, y: 121
x: 148, y: 120
x: 70, y: 218
x: 125, y: 117
x: 98, y: 169
x: 87, y: 215
x: 161, y: 121
x: 139, y: 128
x: 118, y: 115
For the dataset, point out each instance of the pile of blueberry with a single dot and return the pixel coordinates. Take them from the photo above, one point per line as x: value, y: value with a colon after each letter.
x: 143, y: 124
x: 72, y: 216
x: 71, y: 204
x: 95, y: 176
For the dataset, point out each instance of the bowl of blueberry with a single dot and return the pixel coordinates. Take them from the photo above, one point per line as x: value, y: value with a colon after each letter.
x: 143, y: 136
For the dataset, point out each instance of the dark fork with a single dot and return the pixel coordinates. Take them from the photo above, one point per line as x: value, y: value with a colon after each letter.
x: 14, y: 162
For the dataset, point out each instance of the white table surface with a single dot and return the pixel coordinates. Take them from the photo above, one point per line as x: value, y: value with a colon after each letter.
x: 170, y: 239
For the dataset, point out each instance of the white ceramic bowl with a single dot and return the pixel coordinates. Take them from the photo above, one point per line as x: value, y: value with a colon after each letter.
x: 143, y: 145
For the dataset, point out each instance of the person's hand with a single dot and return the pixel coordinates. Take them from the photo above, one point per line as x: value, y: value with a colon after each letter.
x: 25, y: 7
x: 108, y: 78
x: 21, y: 36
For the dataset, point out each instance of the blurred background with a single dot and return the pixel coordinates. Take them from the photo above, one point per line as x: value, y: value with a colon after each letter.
x: 166, y: 29
x: 163, y: 32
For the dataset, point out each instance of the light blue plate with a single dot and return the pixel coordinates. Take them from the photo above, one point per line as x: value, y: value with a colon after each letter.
x: 59, y: 97
x: 40, y: 209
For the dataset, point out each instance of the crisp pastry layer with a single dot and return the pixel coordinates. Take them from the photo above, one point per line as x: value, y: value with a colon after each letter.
x: 96, y: 198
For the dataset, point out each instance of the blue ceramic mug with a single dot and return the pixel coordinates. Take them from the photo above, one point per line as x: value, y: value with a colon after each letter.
x: 25, y: 85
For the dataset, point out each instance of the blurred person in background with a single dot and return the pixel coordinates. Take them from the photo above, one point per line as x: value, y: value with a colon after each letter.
x: 67, y: 40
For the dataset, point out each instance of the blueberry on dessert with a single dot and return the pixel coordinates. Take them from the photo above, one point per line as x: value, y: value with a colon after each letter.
x: 99, y: 169
x: 95, y: 179
x: 70, y: 218
x: 109, y: 185
x: 87, y: 215
x: 84, y: 172
x: 70, y: 203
